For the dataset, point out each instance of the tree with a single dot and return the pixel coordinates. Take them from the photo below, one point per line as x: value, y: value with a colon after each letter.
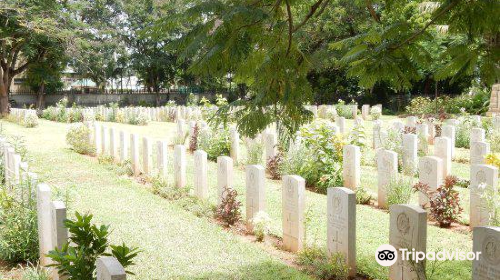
x: 45, y: 75
x: 28, y: 30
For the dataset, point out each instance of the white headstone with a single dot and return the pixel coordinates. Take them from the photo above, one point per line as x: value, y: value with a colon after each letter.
x: 449, y: 131
x: 255, y: 192
x: 200, y: 174
x: 410, y: 153
x: 97, y: 138
x: 377, y: 141
x: 113, y: 144
x: 147, y: 156
x: 487, y: 241
x: 477, y: 135
x: 411, y: 121
x: 105, y: 140
x: 341, y: 225
x: 134, y: 154
x: 408, y: 230
x: 351, y: 166
x: 387, y: 170
x: 478, y: 151
x: 124, y: 147
x: 340, y: 121
x: 235, y: 144
x: 270, y: 142
x: 430, y: 172
x: 224, y: 176
x: 293, y: 203
x: 161, y: 158
x: 44, y: 215
x: 481, y: 174
x: 365, y: 111
x: 180, y: 166
x: 442, y: 149
x: 59, y: 231
x: 109, y: 268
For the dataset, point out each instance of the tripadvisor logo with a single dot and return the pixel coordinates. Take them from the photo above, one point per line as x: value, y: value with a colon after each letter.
x: 387, y: 255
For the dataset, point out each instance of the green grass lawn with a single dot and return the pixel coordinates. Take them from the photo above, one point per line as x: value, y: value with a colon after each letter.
x: 166, y: 233
x: 175, y: 244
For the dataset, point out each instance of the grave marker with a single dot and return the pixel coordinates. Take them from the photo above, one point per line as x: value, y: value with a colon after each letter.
x: 180, y: 166
x: 224, y: 176
x: 341, y: 225
x: 487, y: 241
x: 481, y: 174
x: 387, y: 170
x: 351, y: 166
x: 430, y: 170
x: 255, y: 192
x: 293, y: 203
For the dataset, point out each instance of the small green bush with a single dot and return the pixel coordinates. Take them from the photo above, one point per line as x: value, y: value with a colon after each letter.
x: 35, y: 273
x: 228, y: 211
x: 317, y: 262
x: 78, y: 137
x: 344, y: 110
x: 18, y: 223
x: 463, y: 132
x: 399, y: 190
x: 215, y: 143
x: 255, y: 151
x: 87, y: 242
x: 30, y: 121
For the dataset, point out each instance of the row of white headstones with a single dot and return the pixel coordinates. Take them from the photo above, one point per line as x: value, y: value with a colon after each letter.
x: 408, y: 222
x: 50, y: 214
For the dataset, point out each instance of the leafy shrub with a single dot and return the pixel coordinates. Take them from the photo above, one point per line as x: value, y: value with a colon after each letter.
x: 375, y: 112
x: 494, y: 139
x: 193, y: 141
x: 261, y: 224
x: 465, y: 103
x: 50, y: 113
x: 228, y: 211
x: 344, y: 110
x: 273, y: 166
x: 255, y: 150
x: 161, y: 187
x: 362, y: 196
x: 76, y: 259
x: 399, y: 191
x: 138, y: 119
x: 319, y: 158
x: 463, y: 132
x: 444, y: 202
x: 35, y: 273
x: 18, y: 223
x: 492, y: 198
x: 78, y: 137
x: 216, y: 143
x: 31, y: 120
x: 421, y: 105
x: 317, y: 262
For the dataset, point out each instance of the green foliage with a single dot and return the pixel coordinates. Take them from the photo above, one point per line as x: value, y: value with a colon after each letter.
x: 465, y: 103
x: 463, y: 130
x: 399, y: 190
x: 255, y: 151
x: 261, y: 225
x: 76, y: 259
x: 491, y: 196
x: 344, y: 110
x: 18, y: 223
x: 318, y: 159
x: 362, y: 196
x: 494, y: 139
x: 317, y: 262
x: 78, y: 137
x: 35, y: 273
x: 215, y: 143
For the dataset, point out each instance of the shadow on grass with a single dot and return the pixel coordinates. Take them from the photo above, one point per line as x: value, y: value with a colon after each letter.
x: 263, y: 270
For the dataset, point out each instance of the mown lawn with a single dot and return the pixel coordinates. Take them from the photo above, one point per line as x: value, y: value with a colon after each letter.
x: 175, y: 244
x: 96, y: 187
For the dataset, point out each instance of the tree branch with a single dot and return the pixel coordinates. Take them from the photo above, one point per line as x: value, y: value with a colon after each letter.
x: 312, y: 11
x: 290, y: 26
x: 370, y: 8
x: 419, y: 32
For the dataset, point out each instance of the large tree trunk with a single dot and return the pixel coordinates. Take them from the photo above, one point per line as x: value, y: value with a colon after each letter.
x: 41, y: 98
x: 4, y: 100
x: 4, y: 93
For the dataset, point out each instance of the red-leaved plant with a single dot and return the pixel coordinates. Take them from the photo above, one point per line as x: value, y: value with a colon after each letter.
x: 273, y: 166
x: 193, y: 142
x: 444, y: 202
x: 228, y: 211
